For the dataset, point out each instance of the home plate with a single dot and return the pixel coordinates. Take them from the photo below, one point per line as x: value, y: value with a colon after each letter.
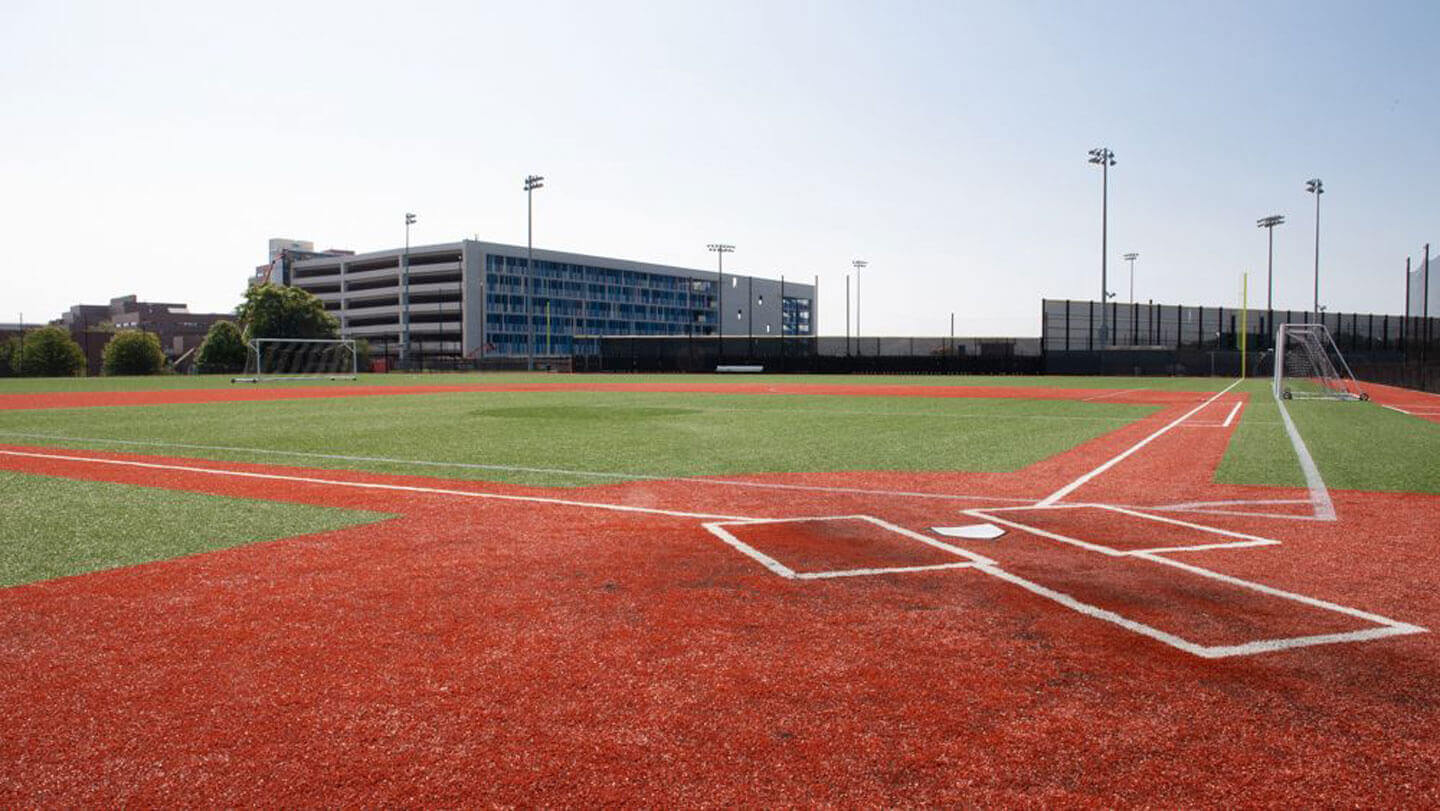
x: 976, y: 532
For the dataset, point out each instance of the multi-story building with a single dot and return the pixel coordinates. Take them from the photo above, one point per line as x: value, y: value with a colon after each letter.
x: 468, y: 299
x: 180, y: 331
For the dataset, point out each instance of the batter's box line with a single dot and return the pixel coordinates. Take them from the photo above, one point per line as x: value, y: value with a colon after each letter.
x: 1242, y: 539
x: 718, y: 528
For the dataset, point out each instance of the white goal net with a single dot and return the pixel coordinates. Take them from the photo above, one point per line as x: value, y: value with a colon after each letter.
x: 299, y: 359
x: 1308, y: 365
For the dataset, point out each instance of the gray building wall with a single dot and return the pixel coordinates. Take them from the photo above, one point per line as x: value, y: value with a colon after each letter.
x: 453, y: 311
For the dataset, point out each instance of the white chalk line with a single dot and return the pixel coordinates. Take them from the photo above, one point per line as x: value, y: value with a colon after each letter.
x: 1107, y: 394
x: 1388, y: 627
x: 379, y: 486
x: 518, y: 469
x: 1113, y: 461
x: 1231, y: 416
x: 1323, y: 507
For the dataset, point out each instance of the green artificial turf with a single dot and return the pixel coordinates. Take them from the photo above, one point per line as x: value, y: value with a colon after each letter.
x: 159, y: 382
x: 51, y: 527
x: 1355, y: 445
x: 622, y: 433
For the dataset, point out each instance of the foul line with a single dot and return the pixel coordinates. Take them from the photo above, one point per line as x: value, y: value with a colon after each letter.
x: 516, y: 468
x: 1080, y: 482
x: 595, y: 505
x: 1323, y: 507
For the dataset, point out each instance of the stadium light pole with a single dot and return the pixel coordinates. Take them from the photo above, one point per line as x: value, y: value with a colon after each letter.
x: 1269, y: 223
x: 1317, y: 188
x: 720, y: 250
x: 405, y: 297
x: 532, y: 182
x: 1104, y: 158
x: 1131, y: 257
x: 858, y: 264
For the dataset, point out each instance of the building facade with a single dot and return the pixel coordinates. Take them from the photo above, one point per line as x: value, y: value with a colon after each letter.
x: 467, y: 299
x: 180, y: 331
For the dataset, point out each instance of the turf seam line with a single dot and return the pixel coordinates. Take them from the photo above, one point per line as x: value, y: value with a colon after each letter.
x: 1113, y: 461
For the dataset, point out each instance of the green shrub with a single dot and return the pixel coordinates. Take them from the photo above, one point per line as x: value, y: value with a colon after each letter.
x: 224, y: 350
x: 9, y: 352
x: 49, y: 352
x: 133, y: 352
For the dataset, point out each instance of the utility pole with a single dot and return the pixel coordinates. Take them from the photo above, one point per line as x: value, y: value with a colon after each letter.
x: 1104, y: 158
x: 532, y: 182
x: 858, y: 264
x: 720, y: 249
x: 405, y: 297
x: 1131, y: 257
x: 1269, y: 223
x: 1317, y: 188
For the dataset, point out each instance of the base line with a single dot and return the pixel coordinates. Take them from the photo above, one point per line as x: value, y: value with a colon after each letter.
x: 1080, y: 482
x: 515, y: 468
x: 594, y: 505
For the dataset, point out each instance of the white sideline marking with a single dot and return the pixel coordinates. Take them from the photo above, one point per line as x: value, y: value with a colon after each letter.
x: 1243, y: 540
x: 1231, y: 417
x: 1323, y: 507
x: 1107, y: 394
x: 517, y: 469
x: 595, y: 505
x: 1226, y: 503
x: 1073, y: 486
x: 1393, y: 408
x: 1243, y: 514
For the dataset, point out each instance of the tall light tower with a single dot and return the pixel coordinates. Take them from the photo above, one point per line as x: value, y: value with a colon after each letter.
x: 405, y: 297
x: 858, y: 264
x: 1131, y: 257
x: 532, y: 182
x: 1269, y: 223
x: 1317, y: 188
x: 720, y: 250
x: 1104, y: 158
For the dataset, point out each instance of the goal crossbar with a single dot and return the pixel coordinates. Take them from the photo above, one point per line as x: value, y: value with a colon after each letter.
x: 300, y: 359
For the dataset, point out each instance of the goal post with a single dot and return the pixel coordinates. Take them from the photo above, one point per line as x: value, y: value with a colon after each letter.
x: 1308, y: 365
x: 299, y: 359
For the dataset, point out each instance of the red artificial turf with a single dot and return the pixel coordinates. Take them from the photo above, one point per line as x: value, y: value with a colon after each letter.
x: 476, y: 651
x: 1420, y: 404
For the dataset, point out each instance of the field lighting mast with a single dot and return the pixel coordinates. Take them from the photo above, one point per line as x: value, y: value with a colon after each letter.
x: 405, y: 297
x: 1104, y: 158
x: 1317, y: 188
x: 858, y: 264
x: 532, y: 182
x: 720, y: 250
x: 1269, y: 223
x: 1131, y: 257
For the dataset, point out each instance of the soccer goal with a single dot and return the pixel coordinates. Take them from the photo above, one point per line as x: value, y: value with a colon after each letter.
x: 299, y: 359
x: 1308, y: 365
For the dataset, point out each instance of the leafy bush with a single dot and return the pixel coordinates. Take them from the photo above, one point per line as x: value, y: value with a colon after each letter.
x: 133, y: 352
x: 273, y: 311
x: 223, y: 351
x: 49, y: 352
x: 9, y: 352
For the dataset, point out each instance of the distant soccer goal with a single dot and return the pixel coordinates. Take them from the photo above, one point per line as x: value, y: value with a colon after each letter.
x: 299, y: 359
x: 1308, y: 365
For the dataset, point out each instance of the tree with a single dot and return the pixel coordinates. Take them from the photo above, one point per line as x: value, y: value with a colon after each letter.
x: 223, y: 351
x: 274, y: 311
x: 9, y: 355
x: 50, y: 352
x: 133, y: 352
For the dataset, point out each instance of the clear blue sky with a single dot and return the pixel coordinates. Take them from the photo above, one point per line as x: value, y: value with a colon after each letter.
x: 153, y: 148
